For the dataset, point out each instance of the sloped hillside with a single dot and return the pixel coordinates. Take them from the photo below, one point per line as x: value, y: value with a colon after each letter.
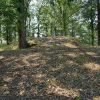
x: 53, y: 69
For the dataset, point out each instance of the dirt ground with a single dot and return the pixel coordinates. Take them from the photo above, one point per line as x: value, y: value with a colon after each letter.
x: 55, y: 69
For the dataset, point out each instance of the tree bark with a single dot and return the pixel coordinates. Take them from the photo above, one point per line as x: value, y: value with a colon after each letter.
x: 38, y: 26
x: 22, y: 25
x: 64, y: 18
x: 22, y: 38
x: 64, y: 23
x: 92, y: 24
x: 7, y: 36
x: 73, y: 34
x: 92, y: 32
x: 98, y: 10
x: 0, y: 34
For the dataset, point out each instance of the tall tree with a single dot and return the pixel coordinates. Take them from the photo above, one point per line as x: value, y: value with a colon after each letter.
x: 98, y: 10
x: 89, y: 14
x: 22, y: 14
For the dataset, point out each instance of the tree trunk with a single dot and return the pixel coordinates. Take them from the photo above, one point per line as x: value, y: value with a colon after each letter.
x: 0, y: 34
x: 92, y: 32
x: 38, y: 19
x: 92, y: 25
x: 73, y: 34
x: 7, y: 36
x: 22, y: 38
x: 64, y: 23
x: 38, y: 33
x: 51, y: 29
x: 98, y: 10
x: 22, y: 24
x: 46, y: 29
x: 55, y: 31
x: 64, y: 18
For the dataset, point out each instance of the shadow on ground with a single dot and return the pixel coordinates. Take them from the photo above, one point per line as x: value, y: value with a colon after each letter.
x: 56, y: 70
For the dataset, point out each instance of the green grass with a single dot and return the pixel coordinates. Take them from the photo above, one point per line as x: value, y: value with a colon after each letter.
x: 3, y: 47
x: 8, y: 47
x: 81, y: 59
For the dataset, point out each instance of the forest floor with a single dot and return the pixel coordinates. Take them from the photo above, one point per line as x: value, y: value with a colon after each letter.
x: 55, y: 69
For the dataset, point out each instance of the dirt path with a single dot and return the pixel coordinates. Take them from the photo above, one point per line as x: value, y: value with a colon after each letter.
x: 56, y: 69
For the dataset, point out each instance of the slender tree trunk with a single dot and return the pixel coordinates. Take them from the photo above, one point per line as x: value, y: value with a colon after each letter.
x: 7, y: 36
x: 64, y: 18
x: 73, y: 34
x: 1, y: 41
x: 46, y: 28
x: 98, y: 10
x: 92, y: 24
x: 51, y: 31
x: 55, y: 30
x: 0, y: 34
x: 38, y: 33
x: 64, y: 23
x: 92, y: 32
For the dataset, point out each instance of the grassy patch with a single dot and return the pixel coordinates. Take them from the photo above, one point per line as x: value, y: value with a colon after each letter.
x: 78, y: 98
x: 8, y: 47
x: 81, y: 59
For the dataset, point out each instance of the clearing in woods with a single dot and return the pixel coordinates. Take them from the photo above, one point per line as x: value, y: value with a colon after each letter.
x: 55, y: 69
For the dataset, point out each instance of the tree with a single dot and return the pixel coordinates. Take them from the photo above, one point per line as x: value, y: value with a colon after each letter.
x: 98, y: 10
x: 21, y: 7
x: 89, y: 14
x: 8, y: 20
x: 21, y: 23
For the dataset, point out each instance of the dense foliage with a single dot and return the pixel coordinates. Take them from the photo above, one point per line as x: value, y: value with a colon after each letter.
x: 20, y: 19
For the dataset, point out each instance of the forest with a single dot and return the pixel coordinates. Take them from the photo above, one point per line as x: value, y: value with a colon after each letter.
x: 49, y: 49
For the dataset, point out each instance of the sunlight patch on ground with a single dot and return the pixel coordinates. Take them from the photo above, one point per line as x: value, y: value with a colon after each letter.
x: 22, y: 92
x: 40, y: 75
x: 91, y: 53
x: 70, y: 45
x: 25, y: 61
x: 29, y: 60
x: 21, y: 88
x: 4, y: 89
x: 7, y: 79
x: 70, y: 62
x: 14, y: 47
x: 96, y: 98
x: 57, y: 71
x: 34, y: 55
x: 72, y: 55
x: 58, y: 68
x: 1, y: 57
x: 92, y: 66
x: 63, y: 92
